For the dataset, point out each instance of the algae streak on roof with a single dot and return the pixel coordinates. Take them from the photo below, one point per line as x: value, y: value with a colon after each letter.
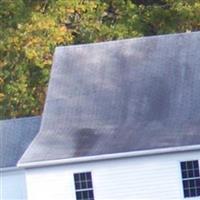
x: 15, y: 137
x: 121, y: 96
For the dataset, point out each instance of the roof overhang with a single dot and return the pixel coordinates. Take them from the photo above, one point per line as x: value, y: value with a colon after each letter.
x: 109, y: 156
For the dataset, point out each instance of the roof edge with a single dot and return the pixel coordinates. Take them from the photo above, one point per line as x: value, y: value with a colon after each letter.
x: 108, y: 156
x: 142, y: 37
x: 21, y: 118
x: 7, y: 169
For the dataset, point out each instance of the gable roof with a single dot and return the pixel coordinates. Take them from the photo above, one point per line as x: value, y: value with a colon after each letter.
x: 121, y: 96
x: 15, y: 136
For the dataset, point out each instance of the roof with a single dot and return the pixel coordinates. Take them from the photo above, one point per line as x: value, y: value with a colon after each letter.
x: 121, y: 96
x: 15, y: 136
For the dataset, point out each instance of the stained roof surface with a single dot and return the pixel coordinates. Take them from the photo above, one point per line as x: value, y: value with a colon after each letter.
x: 15, y: 136
x: 121, y: 96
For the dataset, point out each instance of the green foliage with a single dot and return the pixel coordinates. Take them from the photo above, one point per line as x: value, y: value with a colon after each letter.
x: 31, y: 29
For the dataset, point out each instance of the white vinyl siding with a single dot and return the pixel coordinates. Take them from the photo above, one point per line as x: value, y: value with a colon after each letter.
x: 138, y: 178
x: 13, y: 185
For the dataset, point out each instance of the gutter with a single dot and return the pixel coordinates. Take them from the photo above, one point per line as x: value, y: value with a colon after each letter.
x: 7, y: 169
x: 108, y: 156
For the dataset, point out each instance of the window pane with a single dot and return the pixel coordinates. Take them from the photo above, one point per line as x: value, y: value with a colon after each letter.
x: 85, y: 194
x: 82, y: 177
x: 196, y: 164
x: 196, y: 172
x: 83, y: 185
x: 191, y: 183
x: 198, y: 183
x: 186, y: 193
x: 89, y: 184
x: 88, y: 176
x: 192, y: 193
x: 78, y: 195
x: 91, y: 194
x: 189, y: 165
x: 183, y: 165
x: 76, y: 177
x: 185, y: 184
x: 184, y: 174
x: 77, y: 186
x: 190, y: 174
x: 198, y: 191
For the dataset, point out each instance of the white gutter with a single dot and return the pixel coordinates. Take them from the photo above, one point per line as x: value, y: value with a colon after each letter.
x: 5, y: 169
x: 108, y: 156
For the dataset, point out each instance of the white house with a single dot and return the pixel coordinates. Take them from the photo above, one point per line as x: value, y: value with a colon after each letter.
x: 121, y: 121
x: 15, y: 136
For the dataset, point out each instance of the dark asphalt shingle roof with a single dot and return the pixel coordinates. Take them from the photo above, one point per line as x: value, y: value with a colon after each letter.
x: 121, y: 96
x: 15, y: 136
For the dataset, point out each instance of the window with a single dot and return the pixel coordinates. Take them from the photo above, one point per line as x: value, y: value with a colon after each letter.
x: 83, y: 186
x: 190, y: 178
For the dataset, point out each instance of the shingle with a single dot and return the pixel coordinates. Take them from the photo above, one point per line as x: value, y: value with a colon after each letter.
x: 15, y: 136
x: 121, y: 96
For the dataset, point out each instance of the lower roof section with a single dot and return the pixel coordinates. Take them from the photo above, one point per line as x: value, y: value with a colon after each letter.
x: 15, y: 137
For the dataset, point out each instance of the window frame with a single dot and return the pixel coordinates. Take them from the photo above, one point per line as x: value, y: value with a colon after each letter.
x: 83, y: 185
x: 190, y: 178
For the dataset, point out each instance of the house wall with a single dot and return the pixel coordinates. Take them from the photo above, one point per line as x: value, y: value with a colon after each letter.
x: 140, y: 178
x: 13, y: 185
